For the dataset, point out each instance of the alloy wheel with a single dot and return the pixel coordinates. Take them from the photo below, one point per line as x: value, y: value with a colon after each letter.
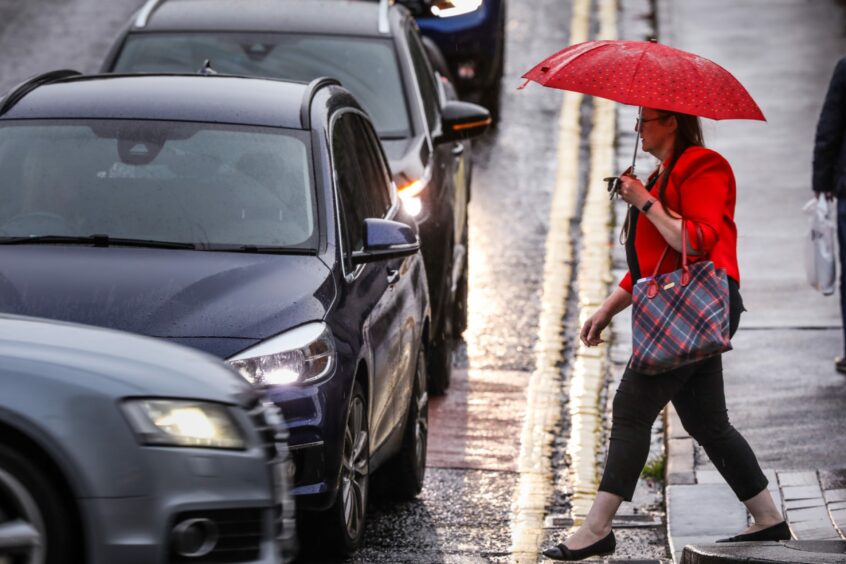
x: 421, y: 430
x: 356, y: 467
x: 21, y: 523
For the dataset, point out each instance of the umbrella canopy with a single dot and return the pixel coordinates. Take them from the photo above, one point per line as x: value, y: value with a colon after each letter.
x: 648, y: 74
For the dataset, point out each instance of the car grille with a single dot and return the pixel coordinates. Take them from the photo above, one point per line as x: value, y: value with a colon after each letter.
x: 240, y: 535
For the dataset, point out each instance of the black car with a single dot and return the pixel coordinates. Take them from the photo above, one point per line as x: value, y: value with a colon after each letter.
x: 252, y: 219
x: 375, y: 50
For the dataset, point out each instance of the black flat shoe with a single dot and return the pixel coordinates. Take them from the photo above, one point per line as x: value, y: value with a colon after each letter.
x: 777, y: 532
x: 840, y: 364
x: 602, y: 547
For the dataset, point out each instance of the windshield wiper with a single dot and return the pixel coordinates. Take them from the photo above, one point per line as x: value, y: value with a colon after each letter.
x: 270, y: 250
x: 96, y: 241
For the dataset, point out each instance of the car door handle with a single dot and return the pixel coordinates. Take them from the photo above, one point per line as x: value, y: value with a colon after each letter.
x: 393, y: 276
x: 458, y: 149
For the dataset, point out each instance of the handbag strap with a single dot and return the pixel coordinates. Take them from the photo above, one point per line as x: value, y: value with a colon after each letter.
x: 685, y: 279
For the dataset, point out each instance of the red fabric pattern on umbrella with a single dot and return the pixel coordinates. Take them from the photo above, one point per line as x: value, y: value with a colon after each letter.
x: 652, y: 75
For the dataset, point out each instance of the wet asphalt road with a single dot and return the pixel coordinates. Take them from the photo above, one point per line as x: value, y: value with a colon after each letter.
x: 463, y: 513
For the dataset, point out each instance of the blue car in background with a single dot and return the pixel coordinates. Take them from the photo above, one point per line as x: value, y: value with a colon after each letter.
x: 471, y: 36
x: 253, y: 219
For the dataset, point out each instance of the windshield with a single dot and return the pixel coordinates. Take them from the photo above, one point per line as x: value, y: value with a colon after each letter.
x: 367, y: 67
x: 205, y: 184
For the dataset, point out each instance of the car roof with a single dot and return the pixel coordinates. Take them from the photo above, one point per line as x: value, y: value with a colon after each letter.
x: 214, y: 99
x: 343, y: 17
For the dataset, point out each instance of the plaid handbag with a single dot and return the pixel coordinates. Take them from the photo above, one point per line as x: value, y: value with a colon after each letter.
x: 679, y: 317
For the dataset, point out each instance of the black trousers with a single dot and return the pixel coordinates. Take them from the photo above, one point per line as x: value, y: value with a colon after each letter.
x: 697, y: 393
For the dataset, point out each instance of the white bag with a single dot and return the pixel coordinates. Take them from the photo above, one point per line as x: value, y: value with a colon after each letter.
x: 819, y: 245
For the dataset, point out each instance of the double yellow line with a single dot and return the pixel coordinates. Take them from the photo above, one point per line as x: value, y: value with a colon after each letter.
x: 543, y: 410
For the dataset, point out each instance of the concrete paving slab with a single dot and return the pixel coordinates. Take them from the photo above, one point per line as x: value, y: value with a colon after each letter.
x: 798, y: 479
x: 803, y: 503
x: 835, y: 495
x: 793, y: 552
x: 801, y: 492
x: 819, y: 513
x: 709, y: 477
x: 704, y: 510
x: 680, y: 462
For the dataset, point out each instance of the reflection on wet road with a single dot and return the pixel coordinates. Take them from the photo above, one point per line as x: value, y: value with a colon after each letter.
x: 463, y: 513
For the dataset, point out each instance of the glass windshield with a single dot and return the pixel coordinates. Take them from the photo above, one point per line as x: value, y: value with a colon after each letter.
x: 367, y: 67
x: 204, y: 184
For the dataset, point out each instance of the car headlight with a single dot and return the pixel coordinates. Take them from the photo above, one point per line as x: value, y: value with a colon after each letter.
x: 184, y: 423
x: 300, y: 356
x: 450, y: 8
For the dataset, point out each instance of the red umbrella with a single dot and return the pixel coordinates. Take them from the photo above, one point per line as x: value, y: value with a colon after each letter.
x: 648, y: 74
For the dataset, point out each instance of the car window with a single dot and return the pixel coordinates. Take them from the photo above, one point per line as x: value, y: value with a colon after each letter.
x: 374, y: 173
x: 205, y: 184
x: 354, y: 208
x: 361, y: 179
x: 425, y: 78
x: 367, y: 67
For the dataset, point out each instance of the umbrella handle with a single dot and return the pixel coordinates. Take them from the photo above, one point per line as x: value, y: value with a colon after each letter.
x: 637, y: 139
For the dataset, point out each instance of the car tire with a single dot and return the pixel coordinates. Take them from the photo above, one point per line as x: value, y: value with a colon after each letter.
x: 460, y: 311
x: 440, y: 357
x: 30, y: 497
x: 408, y: 469
x: 346, y: 531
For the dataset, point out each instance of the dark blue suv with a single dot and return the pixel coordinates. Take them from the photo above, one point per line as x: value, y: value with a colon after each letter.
x: 252, y: 219
x: 375, y: 50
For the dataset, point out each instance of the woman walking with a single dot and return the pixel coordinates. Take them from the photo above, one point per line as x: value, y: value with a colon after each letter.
x: 696, y: 185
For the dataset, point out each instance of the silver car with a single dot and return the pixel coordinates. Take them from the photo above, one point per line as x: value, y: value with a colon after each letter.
x: 120, y: 448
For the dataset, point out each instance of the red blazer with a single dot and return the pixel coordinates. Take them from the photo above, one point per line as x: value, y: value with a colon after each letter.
x: 701, y: 189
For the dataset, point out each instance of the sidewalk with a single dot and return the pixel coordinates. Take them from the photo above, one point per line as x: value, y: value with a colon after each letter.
x: 781, y: 388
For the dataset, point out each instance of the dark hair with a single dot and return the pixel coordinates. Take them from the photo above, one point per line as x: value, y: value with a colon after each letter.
x: 688, y: 134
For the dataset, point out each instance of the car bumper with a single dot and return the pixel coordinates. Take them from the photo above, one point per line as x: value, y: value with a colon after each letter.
x: 237, y: 491
x: 315, y: 423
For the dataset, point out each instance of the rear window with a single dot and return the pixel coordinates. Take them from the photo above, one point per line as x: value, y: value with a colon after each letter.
x: 206, y: 184
x: 367, y: 67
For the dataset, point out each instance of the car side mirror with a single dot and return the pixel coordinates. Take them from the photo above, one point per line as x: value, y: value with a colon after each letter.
x: 385, y: 239
x: 462, y: 120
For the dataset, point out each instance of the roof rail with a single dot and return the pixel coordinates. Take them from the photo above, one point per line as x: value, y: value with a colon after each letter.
x: 311, y: 90
x: 146, y: 12
x: 384, y: 23
x: 14, y: 95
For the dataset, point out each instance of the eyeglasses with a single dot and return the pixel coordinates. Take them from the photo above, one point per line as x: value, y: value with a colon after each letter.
x: 639, y: 122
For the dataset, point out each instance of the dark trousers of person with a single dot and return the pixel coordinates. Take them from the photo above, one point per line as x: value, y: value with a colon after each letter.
x: 697, y: 393
x: 841, y: 243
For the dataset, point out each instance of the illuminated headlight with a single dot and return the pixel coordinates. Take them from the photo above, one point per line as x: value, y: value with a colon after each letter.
x: 410, y: 196
x: 184, y: 423
x: 450, y: 8
x: 300, y: 356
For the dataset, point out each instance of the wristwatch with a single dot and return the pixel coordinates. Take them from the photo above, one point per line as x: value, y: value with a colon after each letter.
x: 648, y: 205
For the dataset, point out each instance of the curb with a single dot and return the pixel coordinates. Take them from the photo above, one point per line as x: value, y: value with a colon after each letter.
x: 793, y: 552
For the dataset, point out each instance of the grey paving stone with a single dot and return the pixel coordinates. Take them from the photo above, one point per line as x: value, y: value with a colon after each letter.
x: 801, y: 492
x: 804, y: 503
x: 818, y: 534
x: 797, y: 479
x: 835, y: 495
x: 837, y: 505
x: 704, y: 509
x: 709, y: 477
x: 680, y: 463
x: 808, y: 514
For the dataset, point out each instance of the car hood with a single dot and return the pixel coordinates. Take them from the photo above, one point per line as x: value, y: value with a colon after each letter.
x: 192, y: 297
x: 115, y: 364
